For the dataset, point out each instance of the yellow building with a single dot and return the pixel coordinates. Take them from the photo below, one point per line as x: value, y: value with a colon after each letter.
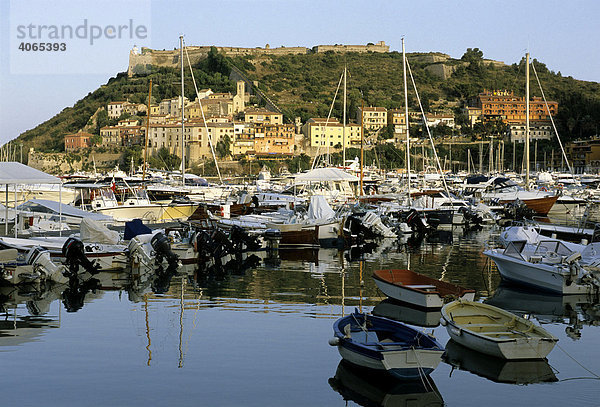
x: 258, y: 115
x: 324, y: 133
x: 373, y: 118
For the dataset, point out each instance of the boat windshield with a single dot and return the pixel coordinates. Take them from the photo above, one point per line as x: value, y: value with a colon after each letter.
x: 515, y: 248
x: 559, y: 248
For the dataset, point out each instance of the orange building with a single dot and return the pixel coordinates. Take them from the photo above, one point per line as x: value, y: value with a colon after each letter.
x: 77, y: 141
x: 511, y: 109
x: 274, y: 139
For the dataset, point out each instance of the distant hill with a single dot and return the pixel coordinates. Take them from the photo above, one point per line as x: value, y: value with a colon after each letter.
x: 303, y: 86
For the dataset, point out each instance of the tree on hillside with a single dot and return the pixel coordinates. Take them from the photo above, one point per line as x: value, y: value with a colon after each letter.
x: 473, y: 55
x: 223, y: 147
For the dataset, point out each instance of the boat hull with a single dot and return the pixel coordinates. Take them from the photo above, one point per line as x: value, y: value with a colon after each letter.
x: 406, y: 364
x: 417, y: 289
x: 495, y: 332
x: 541, y: 206
x: 538, y: 275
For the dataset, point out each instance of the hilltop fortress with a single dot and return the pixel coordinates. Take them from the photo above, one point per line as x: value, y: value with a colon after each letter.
x: 139, y: 62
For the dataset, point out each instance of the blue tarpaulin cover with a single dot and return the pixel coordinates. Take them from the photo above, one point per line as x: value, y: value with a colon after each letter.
x: 134, y: 228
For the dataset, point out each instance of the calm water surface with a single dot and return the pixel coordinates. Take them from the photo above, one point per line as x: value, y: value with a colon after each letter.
x: 259, y: 337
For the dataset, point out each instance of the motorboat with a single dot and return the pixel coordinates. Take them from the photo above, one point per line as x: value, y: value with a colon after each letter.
x: 551, y: 265
x: 496, y: 332
x: 418, y: 289
x: 386, y: 345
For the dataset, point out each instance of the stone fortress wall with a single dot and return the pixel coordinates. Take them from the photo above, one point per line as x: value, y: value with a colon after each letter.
x: 139, y: 61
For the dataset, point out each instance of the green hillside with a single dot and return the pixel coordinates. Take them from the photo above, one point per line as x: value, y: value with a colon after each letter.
x: 304, y: 86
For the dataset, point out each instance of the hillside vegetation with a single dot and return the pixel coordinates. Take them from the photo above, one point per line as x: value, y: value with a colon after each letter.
x: 304, y: 86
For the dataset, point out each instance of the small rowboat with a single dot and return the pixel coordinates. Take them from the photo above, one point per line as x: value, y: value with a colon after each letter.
x: 386, y: 345
x: 418, y: 289
x: 495, y: 332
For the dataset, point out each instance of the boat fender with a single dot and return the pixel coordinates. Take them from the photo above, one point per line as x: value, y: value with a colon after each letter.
x: 443, y: 321
x: 335, y: 341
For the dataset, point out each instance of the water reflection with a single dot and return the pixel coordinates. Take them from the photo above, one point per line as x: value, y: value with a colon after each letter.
x: 575, y: 311
x: 401, y: 312
x: 496, y: 369
x: 371, y: 388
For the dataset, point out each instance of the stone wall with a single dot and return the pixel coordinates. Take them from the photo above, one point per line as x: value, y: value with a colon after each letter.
x: 60, y: 163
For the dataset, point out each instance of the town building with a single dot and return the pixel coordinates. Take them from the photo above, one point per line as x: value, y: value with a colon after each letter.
x: 537, y: 131
x: 77, y: 141
x: 584, y: 155
x: 397, y: 119
x: 511, y: 109
x: 260, y: 115
x: 373, y: 118
x: 115, y: 109
x: 329, y: 133
x: 274, y: 139
x: 434, y: 120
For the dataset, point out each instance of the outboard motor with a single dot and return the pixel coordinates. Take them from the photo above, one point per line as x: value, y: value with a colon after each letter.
x: 241, y: 238
x: 162, y: 247
x: 272, y: 237
x: 74, y: 253
x: 39, y: 258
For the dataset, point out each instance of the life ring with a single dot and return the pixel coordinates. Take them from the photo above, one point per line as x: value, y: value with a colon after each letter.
x: 544, y: 189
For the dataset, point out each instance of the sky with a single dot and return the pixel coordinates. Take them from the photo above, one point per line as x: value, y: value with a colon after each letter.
x: 36, y: 85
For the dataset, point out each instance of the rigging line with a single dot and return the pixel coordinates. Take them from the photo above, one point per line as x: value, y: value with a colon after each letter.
x: 212, y: 150
x: 576, y: 361
x: 437, y: 159
x: 552, y: 119
x: 327, y: 122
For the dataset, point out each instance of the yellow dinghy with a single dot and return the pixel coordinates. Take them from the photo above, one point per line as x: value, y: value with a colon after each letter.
x: 496, y: 332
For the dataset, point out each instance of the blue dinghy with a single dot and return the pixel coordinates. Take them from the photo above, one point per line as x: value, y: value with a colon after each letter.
x: 384, y: 344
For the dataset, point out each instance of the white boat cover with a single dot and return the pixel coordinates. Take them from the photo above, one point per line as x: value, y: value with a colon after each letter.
x: 92, y: 231
x: 319, y: 208
x: 46, y: 206
x: 326, y: 174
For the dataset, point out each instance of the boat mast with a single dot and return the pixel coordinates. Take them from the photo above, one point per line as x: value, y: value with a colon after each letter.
x: 344, y: 125
x: 468, y: 161
x: 362, y: 139
x: 147, y: 130
x: 406, y: 120
x: 527, y: 121
x: 182, y: 114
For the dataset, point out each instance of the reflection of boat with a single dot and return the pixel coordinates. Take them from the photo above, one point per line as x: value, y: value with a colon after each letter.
x: 496, y: 332
x: 367, y: 388
x: 389, y: 308
x: 418, y: 289
x: 574, y: 310
x: 386, y: 345
x: 496, y: 369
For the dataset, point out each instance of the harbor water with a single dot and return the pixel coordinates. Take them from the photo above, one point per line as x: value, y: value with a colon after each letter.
x: 259, y: 336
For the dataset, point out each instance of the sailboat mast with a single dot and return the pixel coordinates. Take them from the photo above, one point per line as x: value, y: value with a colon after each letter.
x: 406, y: 119
x: 147, y: 131
x: 362, y: 141
x: 182, y: 114
x: 469, y: 161
x: 527, y: 121
x: 344, y: 128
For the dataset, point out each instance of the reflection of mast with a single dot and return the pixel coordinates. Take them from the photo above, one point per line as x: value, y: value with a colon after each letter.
x: 147, y: 329
x: 361, y: 284
x: 180, y: 365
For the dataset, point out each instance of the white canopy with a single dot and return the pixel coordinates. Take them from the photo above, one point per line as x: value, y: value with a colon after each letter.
x: 326, y: 174
x: 21, y: 174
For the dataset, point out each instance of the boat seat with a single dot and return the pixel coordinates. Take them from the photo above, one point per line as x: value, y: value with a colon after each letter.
x: 421, y: 286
